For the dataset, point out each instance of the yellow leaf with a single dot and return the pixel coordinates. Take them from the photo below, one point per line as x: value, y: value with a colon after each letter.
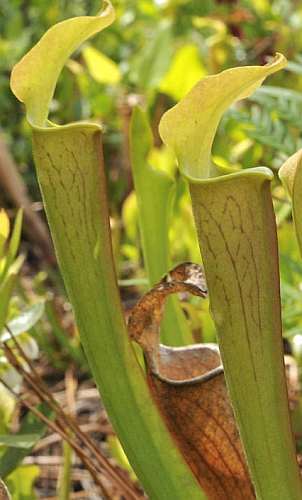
x: 186, y: 69
x: 100, y: 67
x: 190, y: 126
x: 4, y: 225
x: 291, y: 177
x: 34, y: 78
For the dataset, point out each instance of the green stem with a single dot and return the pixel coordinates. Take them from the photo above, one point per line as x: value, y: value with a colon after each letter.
x: 71, y: 176
x: 155, y: 195
x: 64, y: 482
x: 237, y: 233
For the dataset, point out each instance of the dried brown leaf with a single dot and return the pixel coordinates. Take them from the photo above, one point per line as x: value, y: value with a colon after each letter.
x: 193, y: 402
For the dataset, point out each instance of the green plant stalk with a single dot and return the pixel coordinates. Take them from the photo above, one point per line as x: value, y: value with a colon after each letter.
x: 237, y: 234
x: 155, y: 194
x: 239, y: 250
x: 71, y: 176
x: 64, y: 481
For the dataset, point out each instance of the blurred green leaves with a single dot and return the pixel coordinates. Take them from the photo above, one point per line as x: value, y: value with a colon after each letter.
x: 19, y: 445
x: 20, y: 482
x: 100, y: 67
x: 19, y: 440
x: 9, y: 263
x: 151, y: 62
x: 155, y: 191
x: 23, y: 322
x: 185, y: 70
